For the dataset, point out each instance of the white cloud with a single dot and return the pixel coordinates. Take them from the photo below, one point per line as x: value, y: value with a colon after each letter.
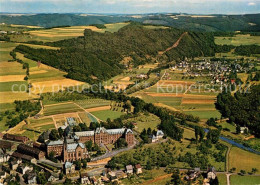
x: 251, y: 4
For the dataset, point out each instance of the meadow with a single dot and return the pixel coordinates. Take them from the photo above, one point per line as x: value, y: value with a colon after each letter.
x: 105, y: 114
x: 243, y: 160
x: 222, y: 178
x: 144, y: 121
x: 238, y: 40
x: 244, y: 180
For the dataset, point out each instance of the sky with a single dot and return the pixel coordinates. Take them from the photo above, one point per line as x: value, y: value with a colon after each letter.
x: 131, y: 6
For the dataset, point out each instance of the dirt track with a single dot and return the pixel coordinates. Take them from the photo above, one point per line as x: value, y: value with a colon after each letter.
x: 175, y: 45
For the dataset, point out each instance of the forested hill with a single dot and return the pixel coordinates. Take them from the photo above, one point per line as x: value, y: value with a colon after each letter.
x: 99, y: 55
x: 210, y: 23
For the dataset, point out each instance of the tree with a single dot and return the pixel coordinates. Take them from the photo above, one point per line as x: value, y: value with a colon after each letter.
x: 84, y: 162
x: 211, y: 122
x: 61, y: 175
x: 78, y: 165
x: 213, y: 135
x: 176, y: 180
x: 238, y: 129
x: 41, y: 179
x: 148, y: 165
x: 242, y: 172
x: 128, y: 106
x: 68, y: 182
x: 54, y: 135
x: 254, y: 170
x: 61, y: 132
x: 89, y: 145
x: 121, y: 143
x: 76, y: 128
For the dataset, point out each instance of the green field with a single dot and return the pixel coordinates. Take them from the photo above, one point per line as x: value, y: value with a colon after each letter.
x: 92, y: 103
x: 60, y: 108
x: 243, y: 160
x: 222, y: 178
x: 205, y: 114
x: 244, y: 180
x: 5, y: 48
x: 105, y: 114
x: 144, y: 121
x: 238, y: 40
x: 56, y: 34
x: 13, y: 86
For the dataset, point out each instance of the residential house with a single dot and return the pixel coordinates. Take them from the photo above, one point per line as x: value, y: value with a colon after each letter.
x: 129, y: 169
x: 3, y: 174
x: 84, y: 178
x: 69, y: 168
x: 211, y: 173
x: 24, y: 168
x: 7, y: 145
x: 112, y: 176
x: 153, y: 138
x: 120, y: 174
x: 32, y: 178
x: 3, y: 156
x: 52, y: 177
x: 15, y: 164
x: 159, y: 134
x: 243, y: 130
x: 138, y: 168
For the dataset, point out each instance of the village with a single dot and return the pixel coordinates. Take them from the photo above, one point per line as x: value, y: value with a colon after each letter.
x: 68, y: 159
x: 218, y: 71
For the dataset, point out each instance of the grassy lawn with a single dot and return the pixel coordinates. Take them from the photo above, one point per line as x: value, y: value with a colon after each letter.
x: 104, y: 114
x: 145, y: 121
x: 232, y: 128
x: 244, y: 180
x: 222, y: 178
x: 61, y: 108
x: 243, y: 160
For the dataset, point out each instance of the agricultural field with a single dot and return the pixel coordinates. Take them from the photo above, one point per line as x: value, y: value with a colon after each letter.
x: 5, y: 48
x: 37, y: 126
x: 238, y: 40
x: 45, y: 78
x: 92, y: 103
x: 56, y: 34
x: 176, y: 94
x: 60, y: 109
x: 244, y: 180
x: 243, y: 160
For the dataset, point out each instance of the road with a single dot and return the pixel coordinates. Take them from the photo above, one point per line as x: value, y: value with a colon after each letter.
x: 112, y: 153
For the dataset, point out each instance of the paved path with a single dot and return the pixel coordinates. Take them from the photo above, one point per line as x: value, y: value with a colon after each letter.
x: 228, y: 178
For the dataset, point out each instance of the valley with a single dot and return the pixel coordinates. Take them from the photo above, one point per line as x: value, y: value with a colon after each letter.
x: 146, y: 79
